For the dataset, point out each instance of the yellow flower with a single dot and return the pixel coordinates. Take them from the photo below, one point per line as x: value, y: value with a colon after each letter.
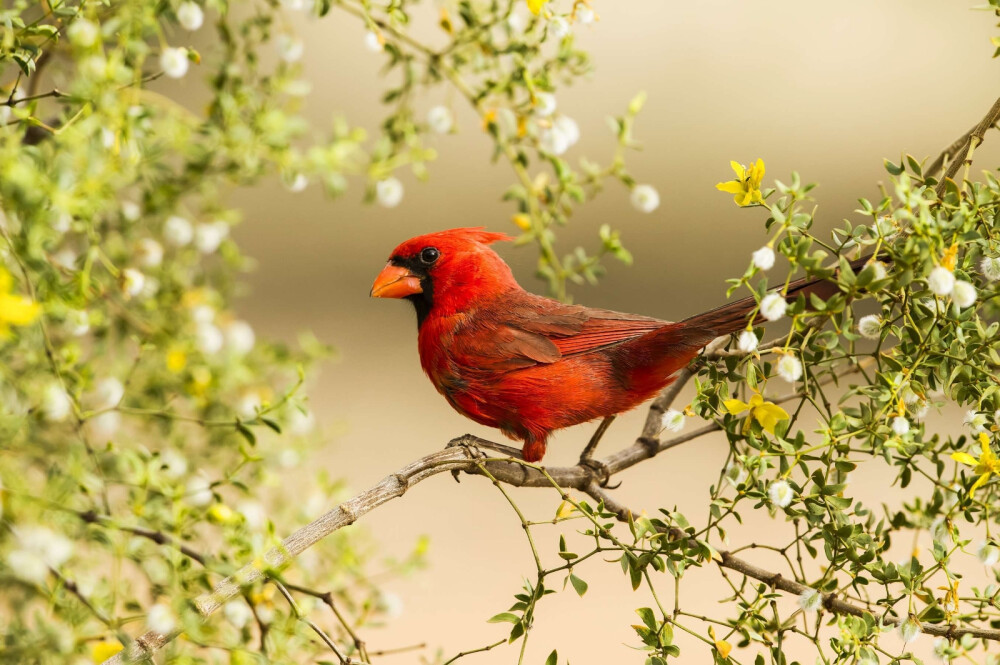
x: 104, y: 650
x: 176, y: 360
x: 768, y: 414
x: 987, y: 464
x: 536, y: 6
x: 746, y: 188
x: 522, y: 221
x: 15, y: 310
x: 722, y: 646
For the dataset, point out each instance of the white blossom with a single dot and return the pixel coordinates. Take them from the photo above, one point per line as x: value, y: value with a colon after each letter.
x: 108, y: 392
x: 161, y: 619
x: 177, y: 231
x: 63, y: 223
x: 553, y: 142
x: 747, y: 341
x: 941, y: 281
x: 963, y: 294
x: 976, y: 421
x: 880, y: 271
x: 885, y: 226
x: 250, y: 403
x: 645, y: 198
x: 77, y: 322
x: 990, y: 267
x: 174, y: 464
x: 763, y: 258
x: 240, y: 337
x: 988, y: 553
x: 27, y: 566
x: 909, y: 630
x: 190, y: 16
x: 105, y: 425
x: 922, y: 407
x: 38, y: 549
x: 545, y: 104
x: 149, y: 253
x: 265, y: 613
x: 940, y: 531
x: 584, y: 14
x: 672, y: 420
x: 82, y: 32
x: 208, y: 237
x: 208, y: 338
x: 391, y: 604
x: 297, y: 183
x: 516, y: 22
x: 789, y: 368
x: 289, y: 458
x: 174, y: 62
x: 237, y: 612
x: 290, y: 47
x: 300, y: 423
x: 810, y: 601
x: 56, y: 404
x: 735, y: 474
x: 440, y: 120
x: 298, y: 5
x: 507, y: 122
x: 568, y: 127
x: 389, y: 192
x: 133, y: 282
x: 559, y: 27
x: 198, y: 491
x: 202, y: 314
x: 65, y: 258
x: 780, y: 493
x: 900, y: 426
x: 373, y: 42
x: 940, y: 650
x: 131, y: 210
x: 253, y: 514
x: 870, y: 326
x: 773, y: 306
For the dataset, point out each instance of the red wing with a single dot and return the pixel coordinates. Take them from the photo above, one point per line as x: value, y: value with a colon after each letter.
x: 599, y: 333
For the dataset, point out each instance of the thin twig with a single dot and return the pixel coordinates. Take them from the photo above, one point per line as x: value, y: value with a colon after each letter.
x: 974, y: 139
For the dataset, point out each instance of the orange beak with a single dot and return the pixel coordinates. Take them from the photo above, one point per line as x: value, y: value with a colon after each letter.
x: 395, y: 282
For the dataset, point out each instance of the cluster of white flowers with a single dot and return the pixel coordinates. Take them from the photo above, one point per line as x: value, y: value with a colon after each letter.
x: 290, y: 47
x: 161, y: 619
x: 545, y: 104
x: 990, y: 267
x: 38, y: 549
x: 190, y: 16
x: 975, y: 421
x: 440, y: 120
x: 208, y: 237
x: 559, y: 27
x: 988, y: 553
x: 941, y: 281
x: 562, y: 135
x: 780, y: 493
x: 672, y: 420
x: 900, y: 426
x: 870, y: 326
x: 963, y: 294
x: 373, y: 42
x: 747, y: 341
x: 909, y: 630
x: 763, y: 258
x: 178, y: 231
x: 83, y: 33
x: 789, y: 367
x: 56, y: 404
x: 645, y: 198
x: 237, y: 612
x: 810, y: 601
x: 735, y: 474
x: 174, y: 61
x: 389, y: 192
x: 198, y: 491
x: 773, y: 306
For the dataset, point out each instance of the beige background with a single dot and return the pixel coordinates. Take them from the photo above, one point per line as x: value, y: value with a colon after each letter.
x: 828, y: 93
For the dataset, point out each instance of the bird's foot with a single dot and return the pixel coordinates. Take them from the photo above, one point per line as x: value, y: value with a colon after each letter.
x: 600, y: 469
x: 475, y: 446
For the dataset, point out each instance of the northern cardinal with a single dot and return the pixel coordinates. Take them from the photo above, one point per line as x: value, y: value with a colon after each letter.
x: 530, y: 365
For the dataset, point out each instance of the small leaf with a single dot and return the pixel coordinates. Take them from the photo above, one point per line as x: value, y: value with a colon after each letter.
x: 504, y: 617
x: 579, y: 585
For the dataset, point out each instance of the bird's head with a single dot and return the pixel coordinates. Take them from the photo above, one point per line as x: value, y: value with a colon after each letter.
x: 448, y: 271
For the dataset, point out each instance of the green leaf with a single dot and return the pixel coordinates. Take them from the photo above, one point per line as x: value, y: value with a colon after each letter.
x: 579, y: 585
x: 504, y: 617
x: 553, y: 658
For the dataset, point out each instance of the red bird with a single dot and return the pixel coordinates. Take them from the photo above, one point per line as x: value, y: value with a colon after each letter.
x: 530, y: 365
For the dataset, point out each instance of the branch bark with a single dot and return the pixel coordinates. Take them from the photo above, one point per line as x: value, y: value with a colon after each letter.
x: 969, y: 142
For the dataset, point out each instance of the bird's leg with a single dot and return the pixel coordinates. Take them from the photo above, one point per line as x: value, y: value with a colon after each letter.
x: 474, y: 443
x: 587, y: 456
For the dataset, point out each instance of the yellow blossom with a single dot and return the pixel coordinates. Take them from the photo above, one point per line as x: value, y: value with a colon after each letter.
x: 987, y: 464
x: 15, y: 309
x: 536, y: 6
x: 722, y: 646
x: 746, y: 187
x: 950, y: 258
x: 176, y: 360
x: 489, y: 118
x: 768, y: 414
x: 522, y: 221
x: 104, y: 650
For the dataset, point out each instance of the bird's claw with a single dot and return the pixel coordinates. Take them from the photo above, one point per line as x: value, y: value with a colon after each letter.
x: 601, y: 470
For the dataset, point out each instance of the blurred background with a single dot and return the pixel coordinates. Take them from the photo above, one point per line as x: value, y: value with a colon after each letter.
x: 826, y: 92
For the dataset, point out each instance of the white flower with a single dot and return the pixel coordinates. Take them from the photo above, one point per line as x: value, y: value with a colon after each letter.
x: 174, y: 464
x: 940, y: 650
x: 63, y: 222
x: 789, y: 368
x: 108, y: 392
x: 174, y: 62
x: 131, y: 210
x: 545, y: 104
x: 773, y: 306
x: 56, y: 405
x: 391, y: 604
x: 567, y: 127
x: 202, y: 314
x: 237, y: 612
x: 940, y: 531
x: 208, y: 237
x: 177, y: 231
x: 250, y: 403
x: 909, y: 630
x: 516, y: 22
x: 763, y: 258
x: 265, y: 613
x: 975, y: 421
x: 439, y: 119
x: 208, y: 338
x: 77, y: 322
x: 941, y: 281
x: 988, y: 553
x: 553, y: 142
x: 559, y: 27
x: 298, y: 183
x: 880, y: 271
x: 885, y: 226
x: 645, y: 198
x: 27, y: 566
x: 149, y: 253
x: 373, y: 42
x: 584, y: 14
x: 38, y: 550
x: 672, y: 420
x: 240, y: 337
x: 747, y: 341
x: 870, y: 326
x: 780, y: 493
x: 82, y: 32
x: 290, y: 47
x: 922, y: 407
x: 964, y: 294
x: 160, y: 618
x: 900, y: 426
x: 389, y: 192
x: 133, y: 282
x: 289, y: 458
x: 735, y: 474
x: 300, y: 423
x: 198, y: 491
x: 105, y: 425
x: 298, y: 5
x: 990, y: 267
x: 190, y: 16
x: 65, y: 258
x: 507, y: 122
x: 253, y: 514
x: 810, y: 600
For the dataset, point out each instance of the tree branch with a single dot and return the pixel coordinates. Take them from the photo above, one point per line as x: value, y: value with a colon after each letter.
x: 970, y: 141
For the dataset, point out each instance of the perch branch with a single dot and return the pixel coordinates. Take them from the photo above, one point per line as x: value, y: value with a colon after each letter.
x: 972, y: 141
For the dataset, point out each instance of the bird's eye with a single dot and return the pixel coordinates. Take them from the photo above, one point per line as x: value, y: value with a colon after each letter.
x: 429, y: 255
